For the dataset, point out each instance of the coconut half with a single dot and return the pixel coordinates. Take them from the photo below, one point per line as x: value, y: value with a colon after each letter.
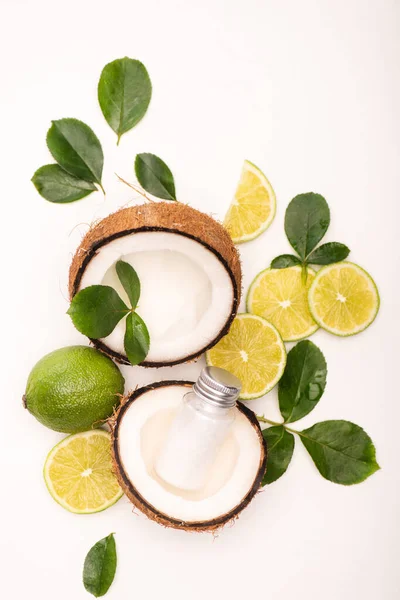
x: 138, y: 432
x: 189, y: 271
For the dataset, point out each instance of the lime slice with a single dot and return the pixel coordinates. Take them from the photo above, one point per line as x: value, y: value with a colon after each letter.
x: 280, y: 295
x: 78, y: 473
x: 253, y: 351
x: 343, y: 299
x: 253, y: 207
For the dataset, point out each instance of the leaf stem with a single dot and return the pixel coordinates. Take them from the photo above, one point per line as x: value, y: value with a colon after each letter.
x: 102, y: 189
x: 304, y: 272
x: 138, y: 190
x: 263, y: 419
x: 292, y: 430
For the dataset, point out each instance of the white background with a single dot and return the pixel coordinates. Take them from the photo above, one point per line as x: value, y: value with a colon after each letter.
x: 309, y: 91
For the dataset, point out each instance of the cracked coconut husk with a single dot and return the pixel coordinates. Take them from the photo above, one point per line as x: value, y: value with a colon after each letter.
x: 172, y: 217
x: 151, y: 511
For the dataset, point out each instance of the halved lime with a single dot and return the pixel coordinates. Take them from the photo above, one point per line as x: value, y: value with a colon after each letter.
x: 253, y: 351
x: 280, y: 295
x: 253, y: 208
x: 78, y: 473
x: 343, y: 299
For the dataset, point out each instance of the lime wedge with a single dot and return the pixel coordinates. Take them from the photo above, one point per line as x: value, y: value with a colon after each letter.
x: 253, y: 208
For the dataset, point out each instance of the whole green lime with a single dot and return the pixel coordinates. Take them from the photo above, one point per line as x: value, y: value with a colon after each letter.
x: 73, y: 389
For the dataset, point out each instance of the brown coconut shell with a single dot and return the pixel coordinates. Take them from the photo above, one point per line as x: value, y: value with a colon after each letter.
x: 173, y: 217
x: 151, y: 511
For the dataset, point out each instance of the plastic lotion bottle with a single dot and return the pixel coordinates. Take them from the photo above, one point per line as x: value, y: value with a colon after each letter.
x: 198, y: 430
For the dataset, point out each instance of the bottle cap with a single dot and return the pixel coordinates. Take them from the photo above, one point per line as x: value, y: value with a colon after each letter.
x: 218, y: 386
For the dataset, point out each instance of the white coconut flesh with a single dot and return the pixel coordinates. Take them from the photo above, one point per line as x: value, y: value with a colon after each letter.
x: 187, y: 294
x: 141, y: 433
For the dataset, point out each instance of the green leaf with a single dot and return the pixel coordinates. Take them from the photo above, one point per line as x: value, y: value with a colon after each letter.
x: 76, y: 149
x: 100, y: 566
x: 129, y: 280
x: 328, y: 253
x: 342, y: 451
x: 280, y: 446
x: 306, y: 221
x: 56, y: 185
x: 136, y: 340
x: 303, y: 381
x: 155, y: 176
x: 96, y: 310
x: 124, y: 93
x: 285, y: 260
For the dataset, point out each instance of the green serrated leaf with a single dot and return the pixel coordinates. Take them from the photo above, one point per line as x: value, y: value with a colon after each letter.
x: 100, y: 566
x: 136, y: 340
x: 303, y: 381
x: 285, y: 260
x: 56, y: 185
x: 306, y: 221
x: 342, y: 451
x: 76, y: 149
x: 124, y: 94
x: 280, y: 446
x: 129, y: 280
x: 328, y: 253
x: 96, y: 310
x: 155, y: 176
